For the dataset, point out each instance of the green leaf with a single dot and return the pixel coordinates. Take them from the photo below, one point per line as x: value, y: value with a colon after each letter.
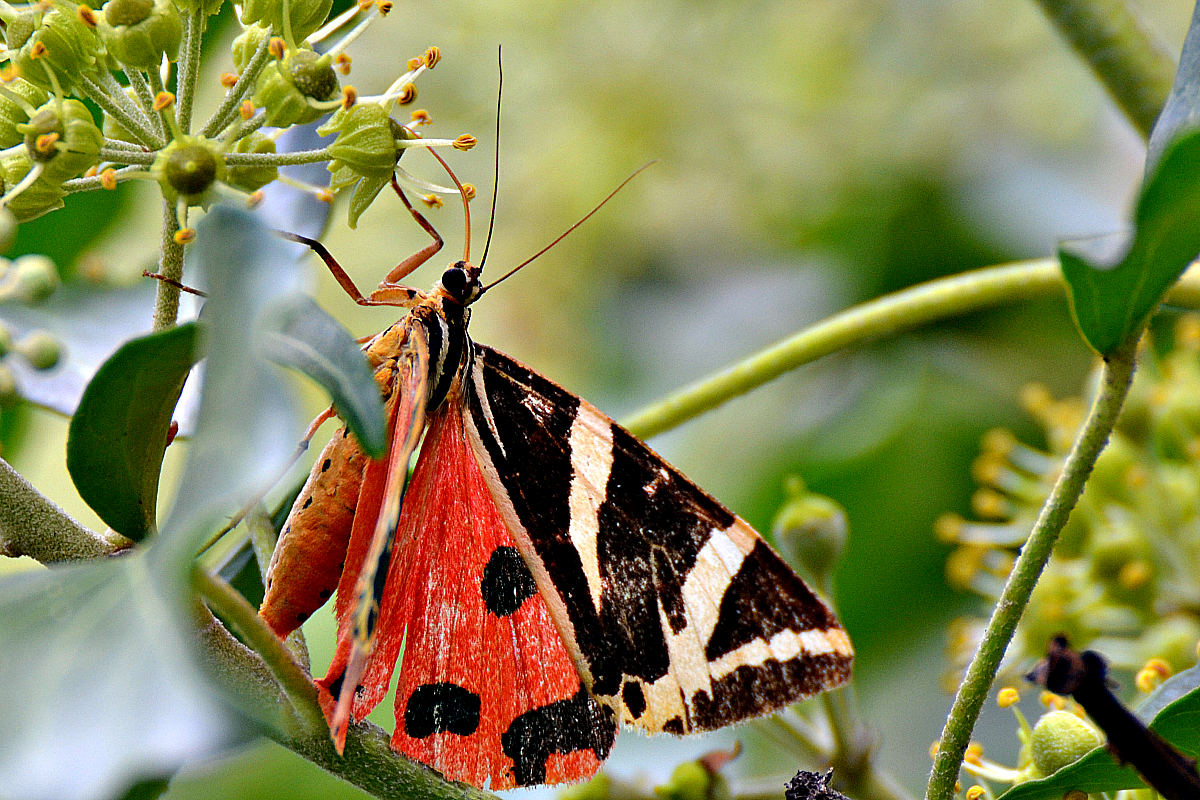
x: 97, y: 685
x: 1182, y: 109
x: 1115, y: 283
x: 119, y: 431
x: 305, y: 337
x: 1175, y: 709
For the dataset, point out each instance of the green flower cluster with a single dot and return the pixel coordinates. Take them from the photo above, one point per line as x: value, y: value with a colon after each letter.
x: 1125, y: 577
x: 139, y: 62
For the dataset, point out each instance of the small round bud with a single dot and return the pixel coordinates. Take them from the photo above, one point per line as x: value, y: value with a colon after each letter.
x: 9, y: 392
x: 59, y: 39
x: 188, y: 167
x: 810, y: 529
x: 138, y: 33
x: 1060, y: 738
x: 598, y: 788
x: 246, y: 44
x: 1171, y: 639
x: 64, y: 137
x: 251, y: 178
x: 303, y: 16
x: 691, y: 780
x: 209, y: 7
x: 41, y: 349
x: 14, y: 112
x: 285, y: 87
x: 36, y: 277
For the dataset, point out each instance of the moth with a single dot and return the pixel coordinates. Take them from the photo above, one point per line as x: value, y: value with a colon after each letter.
x: 541, y: 578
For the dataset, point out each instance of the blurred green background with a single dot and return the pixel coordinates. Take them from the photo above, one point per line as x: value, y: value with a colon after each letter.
x: 811, y: 155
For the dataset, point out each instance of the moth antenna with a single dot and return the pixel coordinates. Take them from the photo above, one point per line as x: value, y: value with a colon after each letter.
x: 563, y: 235
x: 495, y: 166
x: 466, y: 203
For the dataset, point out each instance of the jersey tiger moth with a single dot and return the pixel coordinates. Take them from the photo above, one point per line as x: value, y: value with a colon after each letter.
x: 542, y: 577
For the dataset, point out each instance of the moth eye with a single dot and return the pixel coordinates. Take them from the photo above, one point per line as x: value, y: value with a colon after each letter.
x: 454, y: 280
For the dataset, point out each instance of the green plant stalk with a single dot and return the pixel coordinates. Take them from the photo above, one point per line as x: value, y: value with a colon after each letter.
x: 145, y: 97
x: 297, y: 685
x: 277, y: 159
x: 981, y: 672
x: 170, y: 265
x: 120, y: 155
x: 894, y: 313
x: 134, y: 123
x: 95, y: 182
x: 189, y: 67
x: 226, y: 113
x: 1135, y: 68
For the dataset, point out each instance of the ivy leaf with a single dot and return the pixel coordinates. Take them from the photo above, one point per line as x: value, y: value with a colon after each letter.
x: 1174, y: 713
x: 98, y: 687
x: 119, y: 431
x: 302, y: 335
x: 1116, y: 282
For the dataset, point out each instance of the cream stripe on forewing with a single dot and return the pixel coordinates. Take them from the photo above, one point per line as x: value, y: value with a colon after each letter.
x: 783, y: 646
x: 591, y: 463
x: 481, y: 396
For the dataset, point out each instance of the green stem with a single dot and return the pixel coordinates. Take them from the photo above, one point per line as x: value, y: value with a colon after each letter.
x: 297, y: 685
x: 226, y: 113
x: 31, y: 525
x: 94, y: 182
x: 277, y: 159
x: 124, y: 111
x: 121, y: 155
x: 170, y: 265
x: 885, y: 316
x: 189, y: 67
x: 1135, y: 68
x: 145, y: 95
x: 1118, y: 373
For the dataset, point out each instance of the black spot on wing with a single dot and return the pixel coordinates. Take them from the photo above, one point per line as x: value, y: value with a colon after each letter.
x: 441, y: 708
x: 565, y: 726
x: 750, y: 691
x: 673, y: 725
x: 764, y: 598
x: 669, y: 585
x: 635, y: 699
x: 506, y: 582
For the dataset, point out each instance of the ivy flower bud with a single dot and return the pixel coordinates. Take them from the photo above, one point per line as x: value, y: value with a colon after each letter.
x: 36, y: 277
x: 64, y: 137
x: 13, y: 113
x: 57, y: 40
x: 138, y: 32
x: 252, y: 178
x: 188, y: 167
x: 40, y: 197
x: 41, y: 349
x: 364, y: 154
x: 811, y: 530
x: 245, y: 44
x: 209, y: 7
x: 1060, y: 738
x: 304, y: 16
x: 285, y: 87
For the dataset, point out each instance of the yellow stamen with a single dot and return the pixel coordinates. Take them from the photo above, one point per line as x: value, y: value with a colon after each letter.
x: 974, y: 753
x: 38, y: 50
x: 91, y: 171
x: 468, y: 191
x: 1152, y: 674
x: 163, y: 101
x: 1051, y: 700
x: 185, y: 236
x: 325, y: 196
x: 276, y: 47
x: 465, y: 142
x: 975, y: 792
x: 1007, y: 697
x: 413, y: 63
x: 432, y: 56
x: 108, y: 179
x: 342, y: 63
x: 385, y: 7
x: 421, y: 117
x: 408, y: 93
x: 86, y: 15
x: 229, y: 79
x: 255, y: 198
x: 247, y: 109
x: 44, y: 143
x: 432, y: 200
x: 349, y: 96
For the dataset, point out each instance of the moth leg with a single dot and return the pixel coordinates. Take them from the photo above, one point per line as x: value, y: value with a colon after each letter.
x: 401, y: 270
x: 397, y: 296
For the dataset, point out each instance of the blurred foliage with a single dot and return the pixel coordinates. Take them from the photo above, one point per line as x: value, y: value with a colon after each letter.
x: 811, y: 155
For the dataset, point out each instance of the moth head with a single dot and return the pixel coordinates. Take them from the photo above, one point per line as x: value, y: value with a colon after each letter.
x: 460, y: 283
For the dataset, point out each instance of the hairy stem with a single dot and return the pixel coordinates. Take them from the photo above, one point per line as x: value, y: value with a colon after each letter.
x: 96, y: 182
x: 227, y: 111
x: 145, y: 96
x: 1135, y: 68
x: 276, y: 159
x: 189, y: 67
x: 1090, y: 441
x: 170, y: 266
x: 126, y: 113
